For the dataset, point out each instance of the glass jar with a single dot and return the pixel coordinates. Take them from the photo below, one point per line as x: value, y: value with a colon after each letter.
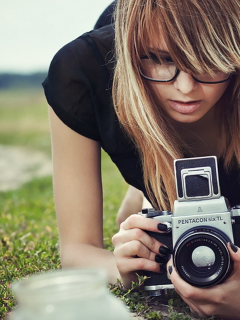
x: 74, y: 294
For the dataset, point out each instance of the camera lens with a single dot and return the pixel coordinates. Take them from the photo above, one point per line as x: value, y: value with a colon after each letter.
x: 201, y: 256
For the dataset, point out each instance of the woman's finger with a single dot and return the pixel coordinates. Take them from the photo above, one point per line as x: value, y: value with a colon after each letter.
x: 126, y: 236
x: 134, y: 264
x: 234, y: 251
x: 202, y: 300
x: 137, y: 221
x: 181, y: 287
x: 193, y: 307
x: 136, y: 249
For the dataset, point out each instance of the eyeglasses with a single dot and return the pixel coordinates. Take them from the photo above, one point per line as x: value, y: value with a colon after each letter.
x: 151, y: 68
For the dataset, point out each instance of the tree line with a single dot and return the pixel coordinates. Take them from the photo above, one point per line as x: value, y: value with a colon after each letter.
x: 15, y: 80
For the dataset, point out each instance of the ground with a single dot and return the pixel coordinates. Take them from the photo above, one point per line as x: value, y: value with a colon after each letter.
x: 19, y: 165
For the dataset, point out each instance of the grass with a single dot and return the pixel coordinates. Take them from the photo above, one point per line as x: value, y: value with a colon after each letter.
x: 28, y: 229
x: 24, y: 119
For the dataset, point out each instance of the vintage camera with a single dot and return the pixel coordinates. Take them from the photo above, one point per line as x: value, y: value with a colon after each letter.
x: 201, y: 225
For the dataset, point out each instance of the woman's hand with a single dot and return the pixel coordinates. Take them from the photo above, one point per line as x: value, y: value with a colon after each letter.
x: 135, y: 250
x: 221, y: 300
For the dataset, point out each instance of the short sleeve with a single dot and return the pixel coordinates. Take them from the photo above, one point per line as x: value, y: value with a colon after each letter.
x: 71, y: 87
x: 79, y: 89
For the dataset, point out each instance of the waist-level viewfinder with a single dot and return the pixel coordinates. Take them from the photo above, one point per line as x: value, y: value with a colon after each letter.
x: 196, y: 178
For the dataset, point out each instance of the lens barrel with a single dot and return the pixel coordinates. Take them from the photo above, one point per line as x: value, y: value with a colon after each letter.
x: 201, y: 256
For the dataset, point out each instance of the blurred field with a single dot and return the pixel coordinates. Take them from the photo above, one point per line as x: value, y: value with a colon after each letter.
x: 24, y: 119
x: 28, y: 229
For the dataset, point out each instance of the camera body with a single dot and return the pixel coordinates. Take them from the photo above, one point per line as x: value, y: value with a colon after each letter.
x: 201, y: 225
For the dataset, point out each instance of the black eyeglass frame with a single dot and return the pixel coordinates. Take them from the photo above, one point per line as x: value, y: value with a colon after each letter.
x: 176, y: 75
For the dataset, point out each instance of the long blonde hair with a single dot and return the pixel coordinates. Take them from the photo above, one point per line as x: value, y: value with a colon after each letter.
x: 201, y: 36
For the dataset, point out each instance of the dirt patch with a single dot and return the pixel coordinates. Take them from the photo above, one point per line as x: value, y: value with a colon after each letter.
x: 19, y: 165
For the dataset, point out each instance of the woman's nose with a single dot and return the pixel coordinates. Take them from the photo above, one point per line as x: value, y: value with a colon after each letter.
x: 185, y: 83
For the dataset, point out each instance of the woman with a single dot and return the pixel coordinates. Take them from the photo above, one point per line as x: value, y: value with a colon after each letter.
x: 175, y: 94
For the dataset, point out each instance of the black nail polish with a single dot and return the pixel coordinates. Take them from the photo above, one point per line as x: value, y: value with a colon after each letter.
x: 162, y: 227
x: 164, y: 251
x: 170, y: 270
x: 233, y: 247
x: 169, y: 256
x: 160, y: 259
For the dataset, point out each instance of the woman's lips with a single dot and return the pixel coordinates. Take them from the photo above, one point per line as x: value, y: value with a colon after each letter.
x: 185, y: 107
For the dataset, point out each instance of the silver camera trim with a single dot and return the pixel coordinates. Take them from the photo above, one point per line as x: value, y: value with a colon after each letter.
x: 205, y: 171
x: 158, y: 290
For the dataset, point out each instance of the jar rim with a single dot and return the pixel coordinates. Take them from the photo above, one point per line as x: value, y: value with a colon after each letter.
x: 75, y: 281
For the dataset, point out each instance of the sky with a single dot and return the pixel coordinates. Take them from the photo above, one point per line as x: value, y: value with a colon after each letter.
x: 32, y: 31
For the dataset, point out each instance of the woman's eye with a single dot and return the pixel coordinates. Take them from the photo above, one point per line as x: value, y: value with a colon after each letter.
x: 156, y: 60
x: 167, y: 60
x: 161, y: 60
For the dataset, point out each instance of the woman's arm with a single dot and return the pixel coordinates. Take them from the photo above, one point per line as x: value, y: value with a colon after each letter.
x: 78, y: 199
x: 132, y: 203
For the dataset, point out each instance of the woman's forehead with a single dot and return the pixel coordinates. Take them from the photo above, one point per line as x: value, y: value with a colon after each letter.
x: 158, y: 47
x: 154, y: 43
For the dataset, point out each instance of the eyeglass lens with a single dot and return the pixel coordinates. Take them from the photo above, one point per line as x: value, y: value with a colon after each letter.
x: 158, y: 71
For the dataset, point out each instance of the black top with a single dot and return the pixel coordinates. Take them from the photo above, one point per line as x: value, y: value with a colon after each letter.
x: 78, y: 88
x: 106, y: 17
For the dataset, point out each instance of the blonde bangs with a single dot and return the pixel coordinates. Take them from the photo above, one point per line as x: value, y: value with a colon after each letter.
x: 200, y: 35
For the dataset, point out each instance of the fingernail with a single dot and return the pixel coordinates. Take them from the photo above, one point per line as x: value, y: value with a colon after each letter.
x: 162, y: 227
x: 160, y: 259
x: 164, y: 251
x: 170, y: 270
x: 169, y: 256
x: 233, y: 247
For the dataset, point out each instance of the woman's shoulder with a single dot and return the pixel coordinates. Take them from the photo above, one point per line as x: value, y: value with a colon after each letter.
x: 93, y: 47
x: 78, y: 84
